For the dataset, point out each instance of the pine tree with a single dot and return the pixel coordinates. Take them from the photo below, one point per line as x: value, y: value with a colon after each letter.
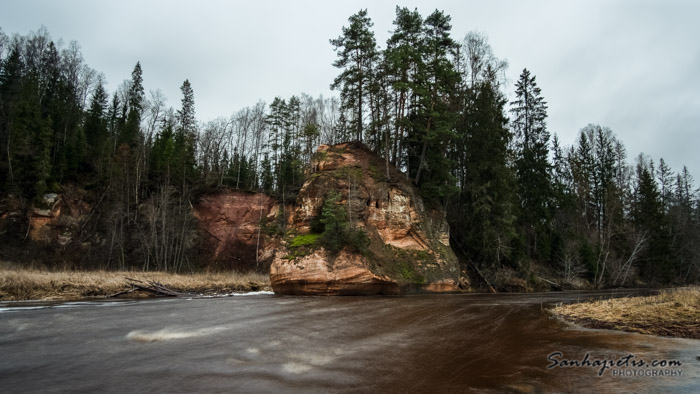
x: 277, y: 121
x: 436, y: 132
x: 357, y: 54
x: 405, y: 67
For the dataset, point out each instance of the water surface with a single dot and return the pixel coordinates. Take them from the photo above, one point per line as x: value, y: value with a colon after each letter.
x: 266, y: 343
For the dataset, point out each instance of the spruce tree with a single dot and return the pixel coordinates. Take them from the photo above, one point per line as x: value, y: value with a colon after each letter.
x: 649, y: 218
x: 131, y: 135
x: 665, y: 177
x: 185, y: 137
x: 532, y: 163
x: 95, y: 129
x: 486, y: 221
x: 186, y: 114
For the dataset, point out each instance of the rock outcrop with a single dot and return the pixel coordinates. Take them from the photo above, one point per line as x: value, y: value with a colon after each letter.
x: 321, y: 274
x: 58, y: 217
x: 408, y: 243
x: 231, y: 236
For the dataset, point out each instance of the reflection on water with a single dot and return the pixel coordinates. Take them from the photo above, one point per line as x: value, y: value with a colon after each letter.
x: 264, y: 343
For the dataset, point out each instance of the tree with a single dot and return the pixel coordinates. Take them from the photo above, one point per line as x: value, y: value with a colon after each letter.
x: 357, y: 54
x: 532, y: 163
x: 685, y: 228
x: 485, y: 219
x: 649, y: 218
x: 436, y: 133
x: 665, y: 178
x: 477, y: 63
x: 186, y: 114
x: 185, y: 137
x: 162, y: 158
x: 335, y: 222
x: 404, y: 68
x: 337, y: 232
x: 96, y: 132
x: 11, y: 75
x: 131, y: 135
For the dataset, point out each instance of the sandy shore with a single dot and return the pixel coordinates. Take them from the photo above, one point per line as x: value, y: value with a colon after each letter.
x: 673, y: 313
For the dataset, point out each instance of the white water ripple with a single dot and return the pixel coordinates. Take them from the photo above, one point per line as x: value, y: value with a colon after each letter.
x: 168, y: 334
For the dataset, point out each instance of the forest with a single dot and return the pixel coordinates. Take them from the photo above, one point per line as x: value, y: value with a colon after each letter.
x: 427, y: 102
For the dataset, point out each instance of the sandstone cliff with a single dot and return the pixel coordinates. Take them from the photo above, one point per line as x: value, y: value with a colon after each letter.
x: 407, y: 248
x: 230, y: 236
x: 408, y: 243
x: 63, y: 229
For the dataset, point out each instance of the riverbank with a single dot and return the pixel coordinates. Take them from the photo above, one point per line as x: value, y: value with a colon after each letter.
x: 31, y: 284
x: 672, y: 313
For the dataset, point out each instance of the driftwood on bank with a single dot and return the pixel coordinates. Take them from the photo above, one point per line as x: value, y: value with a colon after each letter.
x: 456, y: 242
x: 555, y: 285
x: 148, y: 286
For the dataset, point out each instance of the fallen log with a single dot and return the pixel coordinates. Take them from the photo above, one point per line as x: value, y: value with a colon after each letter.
x: 129, y: 291
x: 555, y: 285
x: 493, y: 290
x: 152, y: 287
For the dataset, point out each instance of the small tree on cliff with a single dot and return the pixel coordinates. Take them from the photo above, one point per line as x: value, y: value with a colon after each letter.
x: 337, y: 232
x: 335, y: 223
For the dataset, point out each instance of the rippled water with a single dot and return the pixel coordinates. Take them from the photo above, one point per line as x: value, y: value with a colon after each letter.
x: 265, y: 343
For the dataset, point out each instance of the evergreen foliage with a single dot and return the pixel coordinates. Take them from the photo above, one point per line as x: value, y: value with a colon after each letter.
x: 532, y: 166
x: 431, y: 106
x: 337, y: 231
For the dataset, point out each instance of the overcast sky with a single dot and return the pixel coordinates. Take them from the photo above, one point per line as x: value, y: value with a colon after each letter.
x: 633, y: 66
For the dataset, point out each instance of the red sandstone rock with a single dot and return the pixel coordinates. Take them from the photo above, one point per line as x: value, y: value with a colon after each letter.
x: 390, y: 212
x: 320, y: 274
x: 229, y: 225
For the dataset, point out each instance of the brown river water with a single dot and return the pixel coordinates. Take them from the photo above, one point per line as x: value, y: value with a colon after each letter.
x: 269, y: 344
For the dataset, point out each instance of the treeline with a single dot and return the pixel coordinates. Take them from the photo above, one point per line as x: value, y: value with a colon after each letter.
x: 143, y: 163
x: 428, y: 104
x: 436, y: 109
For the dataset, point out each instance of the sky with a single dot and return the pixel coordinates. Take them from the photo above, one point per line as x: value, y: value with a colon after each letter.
x: 632, y: 66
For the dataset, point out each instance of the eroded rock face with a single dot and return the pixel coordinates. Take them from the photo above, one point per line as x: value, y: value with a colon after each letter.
x: 58, y: 218
x: 321, y: 274
x: 230, y: 230
x: 409, y: 244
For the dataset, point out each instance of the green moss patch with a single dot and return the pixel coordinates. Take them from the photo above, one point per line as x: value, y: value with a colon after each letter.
x: 304, y: 240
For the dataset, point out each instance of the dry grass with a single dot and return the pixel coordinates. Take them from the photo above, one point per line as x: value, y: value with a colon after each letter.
x: 670, y: 313
x: 22, y: 284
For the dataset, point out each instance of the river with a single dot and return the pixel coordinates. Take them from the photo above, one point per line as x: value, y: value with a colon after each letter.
x: 271, y: 344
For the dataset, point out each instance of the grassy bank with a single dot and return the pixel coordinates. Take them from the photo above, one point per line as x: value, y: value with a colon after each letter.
x: 22, y: 284
x: 674, y: 313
